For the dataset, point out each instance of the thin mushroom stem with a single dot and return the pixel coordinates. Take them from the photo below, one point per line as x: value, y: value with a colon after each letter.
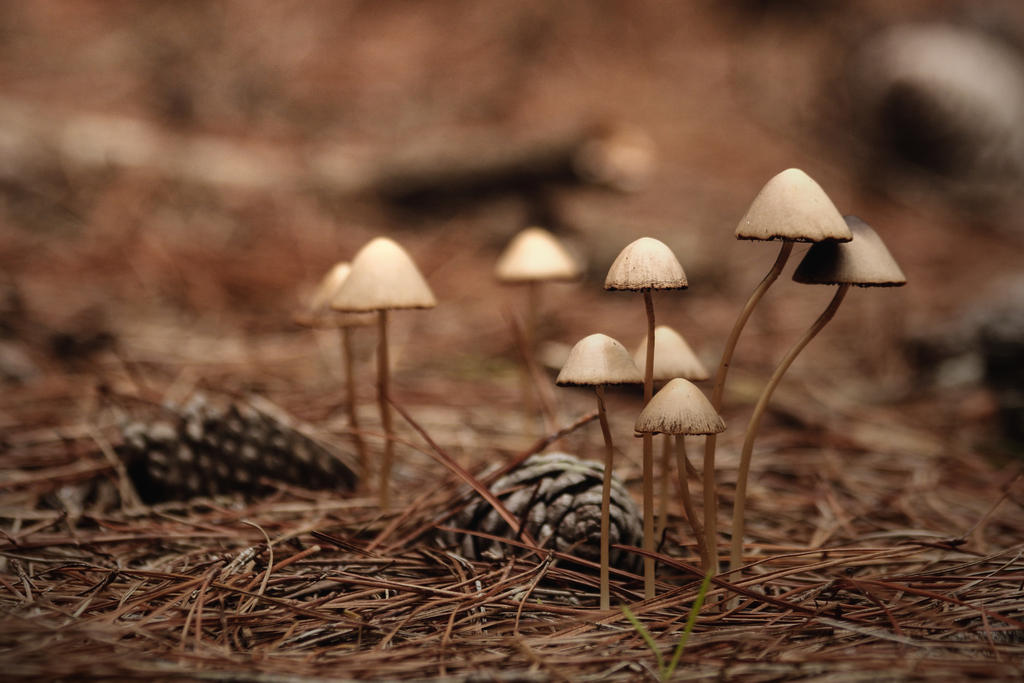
x: 529, y: 349
x: 684, y: 490
x: 710, y: 442
x: 532, y: 313
x: 736, y: 554
x: 350, y: 395
x: 741, y: 321
x: 541, y: 386
x: 649, y: 365
x: 663, y: 494
x: 606, y: 499
x: 648, y: 462
x: 385, y: 407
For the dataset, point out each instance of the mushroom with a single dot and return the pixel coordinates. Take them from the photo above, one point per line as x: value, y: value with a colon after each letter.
x: 864, y: 262
x: 791, y: 207
x: 643, y: 266
x: 680, y: 408
x: 673, y: 358
x: 320, y: 314
x: 598, y: 360
x: 320, y: 303
x: 532, y: 257
x: 535, y: 255
x: 383, y: 278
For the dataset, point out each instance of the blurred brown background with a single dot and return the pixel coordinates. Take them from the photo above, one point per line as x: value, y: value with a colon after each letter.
x: 175, y: 175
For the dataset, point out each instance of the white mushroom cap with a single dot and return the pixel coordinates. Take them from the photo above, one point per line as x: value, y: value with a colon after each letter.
x: 673, y: 357
x: 865, y: 261
x: 383, y: 277
x: 792, y: 206
x: 599, y: 359
x: 645, y: 264
x: 679, y: 408
x: 533, y: 255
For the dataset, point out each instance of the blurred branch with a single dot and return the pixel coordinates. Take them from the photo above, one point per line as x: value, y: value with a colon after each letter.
x: 613, y: 156
x: 469, y: 167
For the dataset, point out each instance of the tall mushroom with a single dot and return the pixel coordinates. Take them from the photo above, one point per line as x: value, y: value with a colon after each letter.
x: 680, y: 408
x: 791, y: 207
x: 643, y: 266
x: 319, y: 314
x: 598, y: 360
x: 532, y: 257
x: 864, y: 262
x: 673, y: 358
x: 383, y: 278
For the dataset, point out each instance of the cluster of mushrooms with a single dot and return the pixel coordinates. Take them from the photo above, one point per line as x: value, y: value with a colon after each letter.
x: 790, y: 208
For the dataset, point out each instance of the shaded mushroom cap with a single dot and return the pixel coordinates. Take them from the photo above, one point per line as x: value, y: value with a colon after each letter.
x: 679, y: 408
x: 792, y: 206
x: 645, y: 264
x: 533, y: 255
x: 329, y: 286
x: 864, y: 262
x: 318, y: 312
x: 673, y: 357
x: 599, y: 359
x: 383, y: 277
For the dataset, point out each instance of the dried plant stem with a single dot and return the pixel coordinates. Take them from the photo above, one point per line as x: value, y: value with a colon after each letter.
x: 350, y: 396
x: 684, y: 491
x: 606, y: 498
x: 385, y: 408
x: 440, y: 455
x: 129, y: 496
x: 736, y: 554
x: 539, y: 445
x: 648, y: 464
x: 711, y: 441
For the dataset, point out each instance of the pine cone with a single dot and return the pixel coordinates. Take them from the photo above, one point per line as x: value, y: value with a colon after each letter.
x: 558, y: 498
x: 216, y: 449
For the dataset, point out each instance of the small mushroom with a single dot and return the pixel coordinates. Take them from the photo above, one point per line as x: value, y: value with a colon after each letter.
x: 317, y: 312
x: 673, y: 358
x: 320, y: 314
x: 319, y: 306
x: 643, y: 266
x: 534, y: 256
x: 598, y: 360
x: 864, y: 262
x: 680, y: 408
x: 383, y: 278
x: 791, y: 207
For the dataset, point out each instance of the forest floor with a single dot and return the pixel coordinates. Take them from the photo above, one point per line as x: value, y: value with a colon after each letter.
x: 177, y: 178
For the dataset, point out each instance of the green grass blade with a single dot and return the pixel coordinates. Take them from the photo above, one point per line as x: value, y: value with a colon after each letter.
x: 645, y: 634
x: 690, y: 621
